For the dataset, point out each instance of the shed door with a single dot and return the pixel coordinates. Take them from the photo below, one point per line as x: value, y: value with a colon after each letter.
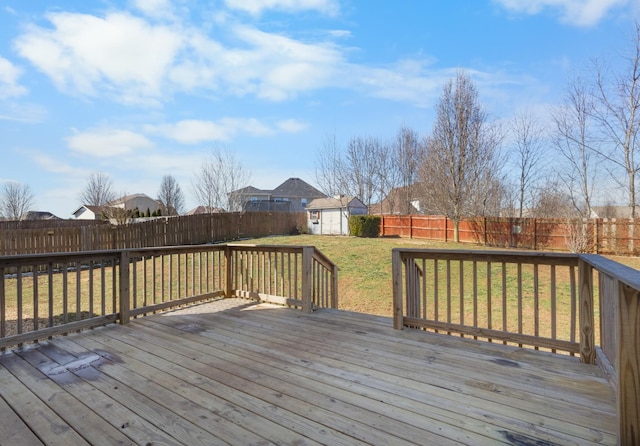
x: 331, y: 222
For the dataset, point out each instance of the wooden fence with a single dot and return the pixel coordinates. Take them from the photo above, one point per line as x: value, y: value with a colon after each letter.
x: 599, y: 235
x: 168, y: 231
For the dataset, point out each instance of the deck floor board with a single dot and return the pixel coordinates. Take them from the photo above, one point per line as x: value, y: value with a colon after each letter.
x: 234, y: 372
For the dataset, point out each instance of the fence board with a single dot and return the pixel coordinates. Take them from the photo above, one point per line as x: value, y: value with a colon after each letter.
x: 599, y: 236
x: 20, y: 238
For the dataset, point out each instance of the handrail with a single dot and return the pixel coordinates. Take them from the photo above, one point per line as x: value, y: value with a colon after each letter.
x: 43, y: 295
x: 429, y: 286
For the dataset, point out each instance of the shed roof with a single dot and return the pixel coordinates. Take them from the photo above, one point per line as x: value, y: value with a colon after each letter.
x: 334, y: 203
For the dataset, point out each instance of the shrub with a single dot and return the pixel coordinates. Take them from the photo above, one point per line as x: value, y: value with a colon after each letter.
x: 364, y: 225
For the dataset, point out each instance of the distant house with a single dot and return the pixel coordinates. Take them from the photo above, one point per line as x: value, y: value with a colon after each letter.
x: 39, y: 215
x: 613, y: 211
x: 296, y: 192
x: 330, y: 216
x: 291, y: 196
x: 132, y: 202
x: 249, y: 196
x: 199, y: 210
x: 86, y: 212
x: 127, y: 203
x: 400, y: 200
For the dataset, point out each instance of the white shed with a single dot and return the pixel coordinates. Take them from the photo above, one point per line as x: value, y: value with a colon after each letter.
x: 330, y: 216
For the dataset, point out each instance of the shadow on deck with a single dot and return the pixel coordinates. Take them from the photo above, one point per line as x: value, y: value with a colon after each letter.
x: 234, y: 372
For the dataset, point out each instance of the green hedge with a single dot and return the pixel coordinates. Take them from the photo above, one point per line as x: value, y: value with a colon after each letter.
x: 364, y: 225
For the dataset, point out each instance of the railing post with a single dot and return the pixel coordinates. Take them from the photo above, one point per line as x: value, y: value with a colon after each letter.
x: 125, y: 300
x: 334, y: 287
x: 228, y: 267
x: 396, y: 268
x: 628, y: 370
x: 586, y: 314
x: 307, y: 279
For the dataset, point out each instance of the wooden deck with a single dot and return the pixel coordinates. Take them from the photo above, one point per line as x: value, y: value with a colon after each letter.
x: 234, y: 372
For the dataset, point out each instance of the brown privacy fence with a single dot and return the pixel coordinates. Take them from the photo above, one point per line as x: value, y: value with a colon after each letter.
x: 598, y: 235
x: 170, y: 231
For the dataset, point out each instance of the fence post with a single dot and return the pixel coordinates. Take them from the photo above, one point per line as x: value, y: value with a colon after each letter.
x: 396, y: 271
x: 410, y: 226
x: 446, y: 235
x: 228, y: 267
x: 585, y: 312
x: 307, y: 279
x: 484, y: 226
x: 125, y: 299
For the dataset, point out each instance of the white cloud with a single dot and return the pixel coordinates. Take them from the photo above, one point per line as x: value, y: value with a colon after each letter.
x: 256, y: 7
x: 155, y: 8
x: 85, y: 54
x: 577, y: 12
x: 9, y: 74
x: 22, y: 112
x: 282, y: 67
x: 55, y: 165
x: 292, y: 126
x: 136, y: 61
x: 192, y: 131
x: 105, y: 143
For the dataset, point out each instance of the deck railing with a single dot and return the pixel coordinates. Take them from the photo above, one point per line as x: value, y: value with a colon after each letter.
x: 51, y: 294
x: 538, y: 300
x: 291, y: 275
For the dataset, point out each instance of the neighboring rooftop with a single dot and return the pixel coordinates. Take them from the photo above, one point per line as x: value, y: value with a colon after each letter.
x: 295, y: 187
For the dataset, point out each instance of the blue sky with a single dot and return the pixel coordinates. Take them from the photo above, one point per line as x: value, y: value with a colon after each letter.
x: 142, y: 88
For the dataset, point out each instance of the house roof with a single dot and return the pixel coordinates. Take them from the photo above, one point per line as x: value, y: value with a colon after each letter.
x: 334, y: 203
x: 126, y: 198
x: 396, y: 201
x: 204, y: 210
x: 95, y: 209
x: 39, y: 215
x: 250, y: 190
x: 295, y: 187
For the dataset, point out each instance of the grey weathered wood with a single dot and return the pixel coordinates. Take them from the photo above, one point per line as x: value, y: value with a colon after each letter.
x: 628, y: 380
x: 587, y: 321
x: 124, y: 288
x: 396, y: 268
x: 307, y: 279
x: 274, y: 375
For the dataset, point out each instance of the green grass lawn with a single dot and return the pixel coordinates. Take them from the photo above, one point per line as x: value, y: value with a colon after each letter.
x: 365, y: 272
x: 364, y: 282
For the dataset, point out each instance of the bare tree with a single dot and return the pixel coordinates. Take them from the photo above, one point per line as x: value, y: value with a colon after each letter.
x: 408, y: 153
x: 329, y: 170
x: 618, y: 113
x: 98, y: 190
x: 16, y: 200
x: 363, y: 169
x: 574, y: 140
x: 170, y: 196
x: 527, y: 156
x: 219, y: 176
x: 461, y: 153
x: 551, y: 201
